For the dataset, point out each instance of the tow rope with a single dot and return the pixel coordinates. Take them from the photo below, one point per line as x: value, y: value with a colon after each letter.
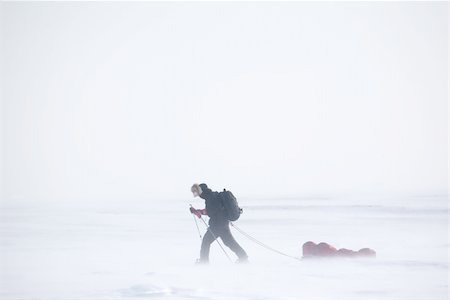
x: 244, y: 234
x: 262, y: 244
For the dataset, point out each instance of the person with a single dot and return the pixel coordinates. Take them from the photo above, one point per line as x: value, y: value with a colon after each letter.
x: 219, y: 225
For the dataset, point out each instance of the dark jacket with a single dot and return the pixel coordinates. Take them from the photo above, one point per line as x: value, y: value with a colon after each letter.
x: 214, y: 207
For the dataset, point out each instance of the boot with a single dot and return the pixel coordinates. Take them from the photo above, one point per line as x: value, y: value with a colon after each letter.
x: 199, y: 261
x: 242, y: 260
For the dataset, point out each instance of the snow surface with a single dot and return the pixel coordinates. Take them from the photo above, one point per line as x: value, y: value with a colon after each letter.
x: 146, y: 250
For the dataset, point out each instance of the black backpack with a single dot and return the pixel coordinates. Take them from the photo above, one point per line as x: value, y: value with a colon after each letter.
x: 231, y: 206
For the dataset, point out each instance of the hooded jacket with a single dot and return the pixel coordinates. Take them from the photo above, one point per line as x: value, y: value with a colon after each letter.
x: 214, y: 207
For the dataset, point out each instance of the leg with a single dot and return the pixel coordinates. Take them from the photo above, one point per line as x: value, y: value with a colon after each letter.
x: 230, y: 242
x: 208, y: 238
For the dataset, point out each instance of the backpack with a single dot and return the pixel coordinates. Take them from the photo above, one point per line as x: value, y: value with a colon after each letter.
x: 231, y: 206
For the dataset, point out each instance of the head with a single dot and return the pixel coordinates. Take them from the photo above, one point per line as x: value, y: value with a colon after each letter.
x: 200, y: 190
x: 196, y: 190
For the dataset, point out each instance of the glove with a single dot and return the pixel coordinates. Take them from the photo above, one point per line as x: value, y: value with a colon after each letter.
x: 196, y: 212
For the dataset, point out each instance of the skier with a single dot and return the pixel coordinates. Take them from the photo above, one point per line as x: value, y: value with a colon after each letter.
x: 219, y: 225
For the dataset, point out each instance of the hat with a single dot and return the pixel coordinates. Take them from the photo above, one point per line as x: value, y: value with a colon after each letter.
x: 196, y: 190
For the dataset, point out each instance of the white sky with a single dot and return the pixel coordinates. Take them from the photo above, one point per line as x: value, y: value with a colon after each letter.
x: 140, y: 100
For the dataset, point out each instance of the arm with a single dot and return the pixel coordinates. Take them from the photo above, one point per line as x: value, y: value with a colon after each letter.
x: 198, y: 212
x: 213, y: 204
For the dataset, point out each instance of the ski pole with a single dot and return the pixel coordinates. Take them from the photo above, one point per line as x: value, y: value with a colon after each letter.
x: 196, y: 224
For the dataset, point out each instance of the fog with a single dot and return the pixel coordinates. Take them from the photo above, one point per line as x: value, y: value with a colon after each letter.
x: 114, y: 100
x: 328, y: 121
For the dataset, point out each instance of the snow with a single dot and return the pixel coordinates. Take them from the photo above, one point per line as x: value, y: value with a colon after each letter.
x: 145, y: 249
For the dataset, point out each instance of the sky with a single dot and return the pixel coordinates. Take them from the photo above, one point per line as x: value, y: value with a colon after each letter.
x: 141, y: 100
